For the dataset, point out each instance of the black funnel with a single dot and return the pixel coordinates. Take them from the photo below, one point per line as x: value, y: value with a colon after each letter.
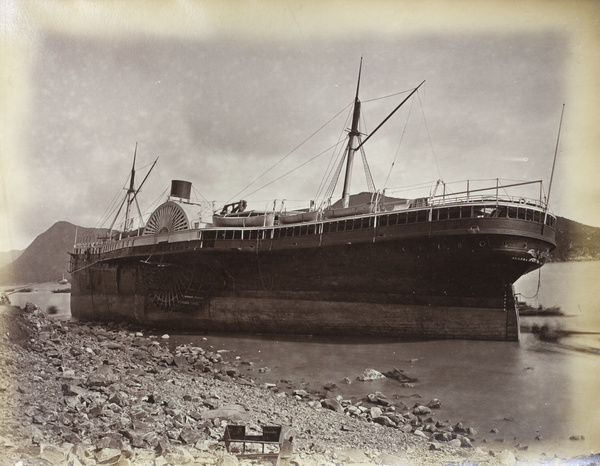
x: 181, y: 189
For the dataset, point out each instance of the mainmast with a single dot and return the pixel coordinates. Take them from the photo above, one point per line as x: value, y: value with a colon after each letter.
x: 130, y: 194
x: 354, y: 134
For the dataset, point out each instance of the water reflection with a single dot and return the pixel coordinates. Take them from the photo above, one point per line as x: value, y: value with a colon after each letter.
x: 42, y: 296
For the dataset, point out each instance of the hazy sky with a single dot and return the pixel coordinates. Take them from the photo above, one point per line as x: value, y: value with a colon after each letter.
x: 220, y: 91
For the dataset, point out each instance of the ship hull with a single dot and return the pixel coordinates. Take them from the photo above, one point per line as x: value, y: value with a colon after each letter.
x: 309, y: 317
x: 389, y: 283
x: 441, y: 266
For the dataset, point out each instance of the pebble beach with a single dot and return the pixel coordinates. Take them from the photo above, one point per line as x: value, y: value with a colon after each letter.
x: 88, y: 393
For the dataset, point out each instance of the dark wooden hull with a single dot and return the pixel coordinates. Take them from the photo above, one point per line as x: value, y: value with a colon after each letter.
x: 450, y: 279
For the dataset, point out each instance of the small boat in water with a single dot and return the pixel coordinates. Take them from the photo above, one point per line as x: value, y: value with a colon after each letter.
x: 436, y: 266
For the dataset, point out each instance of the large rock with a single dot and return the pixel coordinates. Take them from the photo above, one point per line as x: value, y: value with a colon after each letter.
x: 369, y: 375
x: 333, y: 404
x: 420, y: 433
x: 179, y: 455
x: 384, y: 421
x: 420, y: 410
x: 101, y: 377
x: 53, y: 454
x: 378, y: 398
x: 399, y: 375
x: 232, y: 412
x: 227, y: 460
x: 434, y: 404
x: 464, y: 441
x: 506, y: 458
x: 443, y: 436
x: 108, y: 456
x: 189, y: 436
x: 375, y: 412
x: 72, y: 390
x: 352, y: 456
x: 301, y: 393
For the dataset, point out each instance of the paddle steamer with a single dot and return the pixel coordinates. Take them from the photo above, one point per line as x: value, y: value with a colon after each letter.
x: 439, y: 266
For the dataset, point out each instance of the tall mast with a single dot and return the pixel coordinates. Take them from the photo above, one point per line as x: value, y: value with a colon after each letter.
x: 130, y: 194
x: 354, y: 134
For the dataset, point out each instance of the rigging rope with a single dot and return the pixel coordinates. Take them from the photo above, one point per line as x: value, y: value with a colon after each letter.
x: 331, y: 165
x: 111, y: 206
x: 386, y: 96
x: 368, y: 176
x: 294, y: 169
x: 205, y: 205
x: 537, y: 291
x: 285, y: 157
x: 399, y: 144
x: 154, y: 203
x: 334, y: 179
x: 429, y: 137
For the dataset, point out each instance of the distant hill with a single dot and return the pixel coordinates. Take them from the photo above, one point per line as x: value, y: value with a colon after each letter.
x: 8, y: 257
x: 575, y: 241
x: 47, y: 259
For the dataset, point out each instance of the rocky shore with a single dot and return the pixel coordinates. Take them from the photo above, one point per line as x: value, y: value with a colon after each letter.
x: 86, y: 394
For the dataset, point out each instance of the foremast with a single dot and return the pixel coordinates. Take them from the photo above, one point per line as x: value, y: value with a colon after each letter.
x: 130, y: 198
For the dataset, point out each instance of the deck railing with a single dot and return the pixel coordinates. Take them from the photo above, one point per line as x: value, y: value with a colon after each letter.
x: 496, y: 195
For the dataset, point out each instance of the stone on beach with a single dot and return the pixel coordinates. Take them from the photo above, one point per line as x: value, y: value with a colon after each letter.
x: 375, y: 412
x: 88, y: 393
x: 378, y: 398
x: 420, y: 409
x: 370, y: 374
x: 332, y: 404
x: 233, y: 412
x: 434, y: 404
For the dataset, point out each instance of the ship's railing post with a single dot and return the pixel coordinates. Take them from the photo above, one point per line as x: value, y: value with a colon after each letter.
x: 497, y: 191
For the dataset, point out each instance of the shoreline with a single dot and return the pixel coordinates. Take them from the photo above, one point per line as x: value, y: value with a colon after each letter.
x: 87, y: 393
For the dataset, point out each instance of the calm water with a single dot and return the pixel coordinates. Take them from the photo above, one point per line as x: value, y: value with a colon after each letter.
x: 524, y: 389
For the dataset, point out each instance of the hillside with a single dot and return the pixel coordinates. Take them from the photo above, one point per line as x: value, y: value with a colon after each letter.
x: 9, y: 256
x: 575, y: 241
x: 46, y: 259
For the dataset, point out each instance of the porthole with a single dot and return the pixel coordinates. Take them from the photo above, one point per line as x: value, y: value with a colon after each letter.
x: 481, y: 243
x: 505, y: 244
x: 525, y: 245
